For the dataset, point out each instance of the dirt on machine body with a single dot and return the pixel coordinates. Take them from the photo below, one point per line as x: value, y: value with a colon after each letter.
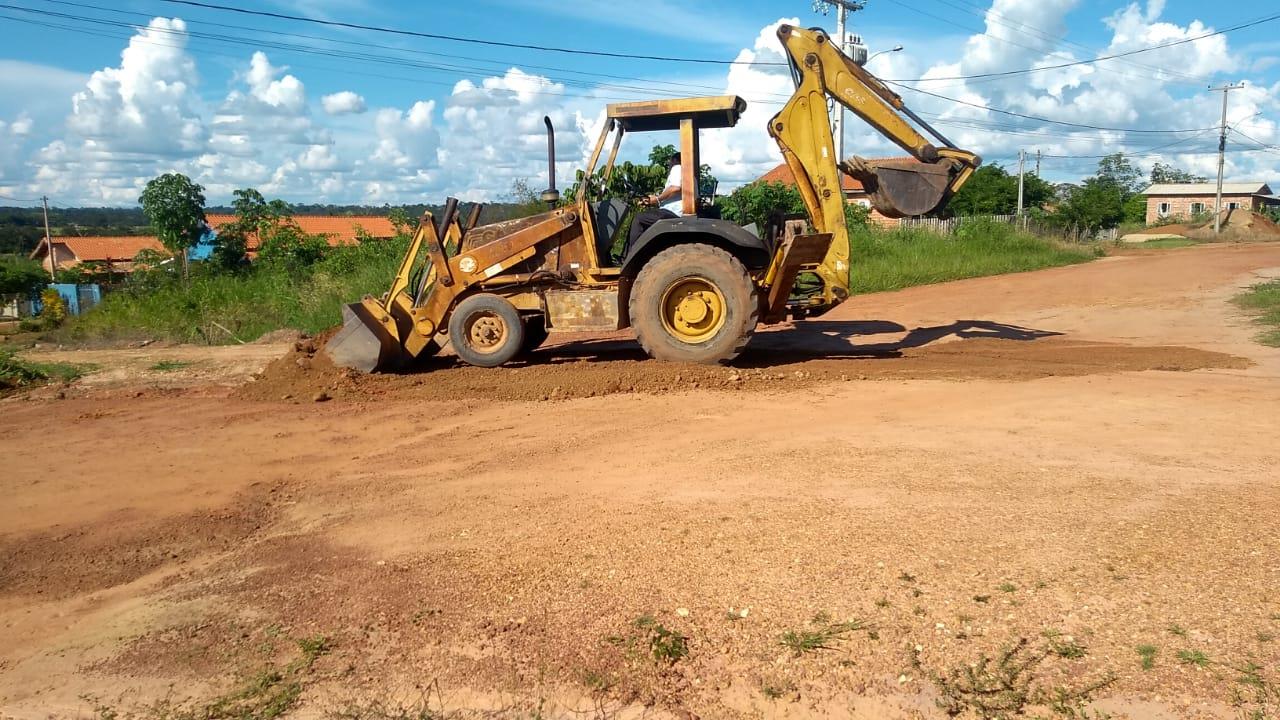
x: 694, y: 288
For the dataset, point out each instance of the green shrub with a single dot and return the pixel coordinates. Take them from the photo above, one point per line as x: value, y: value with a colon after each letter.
x: 248, y: 304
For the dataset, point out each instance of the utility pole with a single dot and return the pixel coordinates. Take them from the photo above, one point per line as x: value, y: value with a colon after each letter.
x: 1022, y: 163
x: 48, y: 241
x: 1222, y: 150
x: 843, y: 7
x: 1037, y: 163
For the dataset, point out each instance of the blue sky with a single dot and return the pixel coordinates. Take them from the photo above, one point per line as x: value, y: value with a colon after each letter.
x: 319, y: 113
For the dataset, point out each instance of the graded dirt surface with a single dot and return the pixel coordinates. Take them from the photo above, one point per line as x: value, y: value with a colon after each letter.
x: 866, y: 503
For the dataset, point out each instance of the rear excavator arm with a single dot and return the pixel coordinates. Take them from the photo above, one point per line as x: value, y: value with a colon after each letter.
x: 803, y: 133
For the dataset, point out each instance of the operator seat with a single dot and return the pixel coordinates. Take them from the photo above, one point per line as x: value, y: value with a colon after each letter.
x: 607, y: 216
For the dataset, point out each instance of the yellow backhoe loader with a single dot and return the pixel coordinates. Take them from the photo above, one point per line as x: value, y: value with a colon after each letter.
x: 693, y: 288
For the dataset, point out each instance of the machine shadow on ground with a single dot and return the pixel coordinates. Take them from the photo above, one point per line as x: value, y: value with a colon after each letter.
x: 807, y: 340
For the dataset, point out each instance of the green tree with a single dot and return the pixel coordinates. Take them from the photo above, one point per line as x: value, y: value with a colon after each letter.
x: 20, y: 276
x: 1135, y: 210
x: 405, y: 224
x: 286, y: 245
x: 661, y: 155
x: 526, y: 200
x: 1098, y: 203
x: 1117, y: 170
x: 1162, y: 173
x: 758, y: 201
x: 253, y: 215
x: 175, y: 207
x: 991, y: 190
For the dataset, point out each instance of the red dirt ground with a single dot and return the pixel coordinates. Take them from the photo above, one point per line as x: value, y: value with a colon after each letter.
x: 1083, y: 457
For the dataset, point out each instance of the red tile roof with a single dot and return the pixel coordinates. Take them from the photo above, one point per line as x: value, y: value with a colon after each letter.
x: 782, y: 173
x: 101, y: 248
x: 340, y: 230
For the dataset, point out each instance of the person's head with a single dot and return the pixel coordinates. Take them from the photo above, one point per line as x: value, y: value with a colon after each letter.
x: 673, y: 161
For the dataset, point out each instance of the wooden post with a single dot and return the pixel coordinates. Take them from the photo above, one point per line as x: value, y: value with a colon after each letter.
x: 689, y: 164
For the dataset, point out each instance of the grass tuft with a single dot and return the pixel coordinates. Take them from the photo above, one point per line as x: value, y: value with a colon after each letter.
x: 1194, y: 657
x: 1263, y: 301
x: 665, y: 645
x: 171, y: 365
x: 819, y: 638
x: 1148, y: 655
x: 17, y: 373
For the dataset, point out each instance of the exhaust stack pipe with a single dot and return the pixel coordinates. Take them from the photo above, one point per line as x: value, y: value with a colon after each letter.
x: 550, y: 196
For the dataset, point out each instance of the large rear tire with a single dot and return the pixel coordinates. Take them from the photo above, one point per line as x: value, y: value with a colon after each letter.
x: 694, y: 303
x: 486, y: 330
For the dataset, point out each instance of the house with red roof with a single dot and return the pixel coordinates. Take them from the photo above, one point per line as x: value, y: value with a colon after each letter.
x: 336, y: 229
x: 854, y: 193
x: 117, y: 253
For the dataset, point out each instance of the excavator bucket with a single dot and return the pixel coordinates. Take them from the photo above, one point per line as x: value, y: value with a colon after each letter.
x: 363, y: 343
x: 902, y: 187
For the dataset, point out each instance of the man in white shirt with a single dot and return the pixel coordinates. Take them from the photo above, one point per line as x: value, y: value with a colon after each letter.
x: 670, y: 202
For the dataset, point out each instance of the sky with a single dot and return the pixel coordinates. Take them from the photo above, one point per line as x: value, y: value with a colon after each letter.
x: 98, y: 96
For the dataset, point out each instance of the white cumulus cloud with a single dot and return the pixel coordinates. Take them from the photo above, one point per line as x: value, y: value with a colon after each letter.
x: 343, y: 103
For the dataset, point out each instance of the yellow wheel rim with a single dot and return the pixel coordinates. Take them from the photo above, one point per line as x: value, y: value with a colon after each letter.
x: 693, y: 309
x: 486, y: 332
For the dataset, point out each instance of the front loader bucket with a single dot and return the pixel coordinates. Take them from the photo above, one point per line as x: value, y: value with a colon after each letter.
x: 363, y: 343
x: 902, y: 187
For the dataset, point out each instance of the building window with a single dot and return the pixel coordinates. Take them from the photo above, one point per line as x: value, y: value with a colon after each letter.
x: 1233, y: 206
x: 1197, y: 208
x: 1162, y: 210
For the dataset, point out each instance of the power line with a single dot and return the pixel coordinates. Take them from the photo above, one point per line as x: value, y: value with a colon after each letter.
x: 1027, y: 29
x: 458, y: 38
x: 1252, y: 139
x: 355, y: 43
x: 984, y: 33
x: 1127, y: 53
x: 667, y: 58
x: 258, y: 44
x: 1038, y: 118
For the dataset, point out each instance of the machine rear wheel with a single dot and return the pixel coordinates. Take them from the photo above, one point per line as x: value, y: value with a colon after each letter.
x: 486, y: 330
x: 694, y: 303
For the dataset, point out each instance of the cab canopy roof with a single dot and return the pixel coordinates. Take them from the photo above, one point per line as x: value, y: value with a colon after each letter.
x: 706, y: 112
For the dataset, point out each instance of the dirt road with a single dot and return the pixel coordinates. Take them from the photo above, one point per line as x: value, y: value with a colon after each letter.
x: 1084, y: 458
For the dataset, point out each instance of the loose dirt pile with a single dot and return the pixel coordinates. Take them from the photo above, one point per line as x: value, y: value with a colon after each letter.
x: 596, y: 368
x: 1237, y: 226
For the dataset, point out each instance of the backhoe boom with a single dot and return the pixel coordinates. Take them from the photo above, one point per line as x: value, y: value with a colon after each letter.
x: 897, y: 188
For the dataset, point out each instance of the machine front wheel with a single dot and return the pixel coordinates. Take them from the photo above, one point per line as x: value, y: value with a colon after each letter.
x: 694, y: 303
x: 486, y: 330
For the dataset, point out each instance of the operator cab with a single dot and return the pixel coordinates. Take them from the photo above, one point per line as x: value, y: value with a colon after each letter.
x: 689, y: 116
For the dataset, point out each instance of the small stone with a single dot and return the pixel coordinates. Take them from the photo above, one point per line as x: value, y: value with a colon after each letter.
x: 321, y: 396
x: 743, y: 612
x: 903, y: 679
x: 304, y: 363
x: 286, y: 396
x: 682, y: 612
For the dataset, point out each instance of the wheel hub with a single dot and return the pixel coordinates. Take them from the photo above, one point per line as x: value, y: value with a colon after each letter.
x: 693, y: 309
x: 487, y: 332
